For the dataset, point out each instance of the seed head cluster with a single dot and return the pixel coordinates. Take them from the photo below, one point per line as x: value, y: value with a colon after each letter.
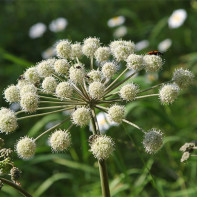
x: 86, y: 79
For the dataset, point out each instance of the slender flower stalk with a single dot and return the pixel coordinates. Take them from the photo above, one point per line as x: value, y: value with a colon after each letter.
x: 66, y: 84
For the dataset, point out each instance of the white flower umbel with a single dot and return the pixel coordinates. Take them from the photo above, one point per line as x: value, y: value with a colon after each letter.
x: 46, y: 68
x: 29, y: 102
x: 62, y: 66
x: 76, y: 51
x: 102, y: 147
x: 8, y: 121
x: 37, y: 30
x: 152, y: 63
x: 94, y: 75
x: 22, y: 82
x: 116, y: 113
x: 177, y: 18
x: 96, y: 90
x: 49, y: 84
x: 109, y: 69
x: 12, y: 94
x: 102, y: 54
x: 28, y: 88
x: 182, y: 77
x: 31, y: 75
x: 26, y: 148
x: 153, y: 140
x: 58, y: 24
x: 135, y: 62
x: 64, y: 90
x: 60, y: 140
x: 168, y: 93
x: 63, y: 49
x: 81, y: 116
x: 128, y: 92
x: 116, y: 21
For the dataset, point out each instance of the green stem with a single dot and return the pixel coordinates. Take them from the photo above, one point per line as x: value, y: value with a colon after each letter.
x: 18, y: 188
x: 145, y: 96
x: 91, y: 63
x: 134, y: 125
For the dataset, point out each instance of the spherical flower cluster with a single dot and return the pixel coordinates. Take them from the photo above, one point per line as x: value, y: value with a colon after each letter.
x: 28, y: 88
x: 152, y: 63
x: 94, y: 75
x: 25, y: 148
x: 153, y: 140
x: 116, y: 113
x: 77, y: 73
x: 183, y: 78
x: 31, y: 75
x: 96, y: 90
x: 49, y: 84
x: 64, y: 90
x: 60, y: 140
x: 63, y: 49
x: 129, y: 91
x: 8, y: 121
x: 102, y: 54
x: 109, y: 69
x: 61, y: 66
x: 22, y: 82
x: 81, y: 116
x: 122, y: 49
x: 168, y: 93
x: 135, y: 62
x: 90, y: 46
x: 12, y: 94
x: 29, y: 102
x: 46, y: 67
x: 102, y: 147
x: 76, y: 51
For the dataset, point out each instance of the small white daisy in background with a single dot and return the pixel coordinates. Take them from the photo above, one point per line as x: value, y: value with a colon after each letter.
x: 177, y: 18
x: 116, y: 21
x: 141, y: 45
x: 165, y: 45
x: 58, y: 24
x: 37, y: 30
x: 48, y: 53
x: 120, y: 32
x: 151, y: 77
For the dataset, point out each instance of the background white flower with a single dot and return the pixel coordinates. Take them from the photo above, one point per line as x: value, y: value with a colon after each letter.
x: 141, y: 45
x: 120, y: 32
x: 177, y: 18
x: 116, y: 21
x: 165, y: 45
x: 48, y: 53
x: 58, y: 24
x: 37, y: 30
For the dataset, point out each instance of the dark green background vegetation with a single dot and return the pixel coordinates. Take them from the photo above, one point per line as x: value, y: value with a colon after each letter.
x: 132, y: 172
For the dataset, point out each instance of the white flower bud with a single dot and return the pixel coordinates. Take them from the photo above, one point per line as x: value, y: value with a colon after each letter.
x: 31, y: 74
x: 46, y: 67
x: 168, y: 93
x: 26, y: 148
x: 12, y: 94
x: 153, y: 140
x: 182, y: 77
x: 90, y: 46
x: 49, y: 84
x: 102, y: 54
x: 29, y: 88
x: 109, y: 69
x: 76, y: 51
x: 63, y: 49
x: 60, y: 140
x: 77, y: 73
x: 122, y: 49
x: 152, y: 63
x: 116, y: 113
x: 102, y: 147
x: 135, y: 62
x: 129, y: 91
x: 94, y: 75
x: 96, y: 90
x: 8, y: 121
x: 64, y: 90
x: 62, y: 66
x: 29, y: 102
x: 81, y: 116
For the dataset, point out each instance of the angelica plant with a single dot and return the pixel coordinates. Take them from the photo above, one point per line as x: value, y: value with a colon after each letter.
x: 67, y: 84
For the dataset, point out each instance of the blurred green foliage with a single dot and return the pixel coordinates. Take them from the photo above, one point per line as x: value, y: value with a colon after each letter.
x: 132, y: 172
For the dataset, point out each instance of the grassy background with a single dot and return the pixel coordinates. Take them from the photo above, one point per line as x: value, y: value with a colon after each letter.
x: 132, y: 172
